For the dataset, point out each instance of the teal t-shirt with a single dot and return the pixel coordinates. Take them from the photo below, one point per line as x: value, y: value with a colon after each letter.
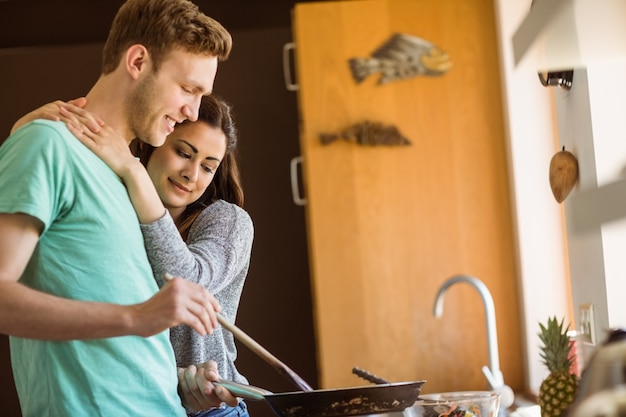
x: 91, y: 249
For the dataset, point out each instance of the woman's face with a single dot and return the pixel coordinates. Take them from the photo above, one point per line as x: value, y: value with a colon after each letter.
x: 184, y: 166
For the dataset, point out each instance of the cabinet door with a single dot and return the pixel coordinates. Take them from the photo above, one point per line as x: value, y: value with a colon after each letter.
x: 387, y: 225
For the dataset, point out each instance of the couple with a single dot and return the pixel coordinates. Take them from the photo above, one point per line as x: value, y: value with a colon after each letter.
x: 78, y: 296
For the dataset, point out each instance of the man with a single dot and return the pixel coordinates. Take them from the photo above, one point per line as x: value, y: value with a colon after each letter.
x: 88, y: 328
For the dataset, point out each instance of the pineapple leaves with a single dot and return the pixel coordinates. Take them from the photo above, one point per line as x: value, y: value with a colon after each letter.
x: 556, y: 349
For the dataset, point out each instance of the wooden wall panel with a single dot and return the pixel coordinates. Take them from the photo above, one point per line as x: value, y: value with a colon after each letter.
x: 388, y: 225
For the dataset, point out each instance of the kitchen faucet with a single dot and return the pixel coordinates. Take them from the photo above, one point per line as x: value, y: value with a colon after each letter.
x: 491, y: 372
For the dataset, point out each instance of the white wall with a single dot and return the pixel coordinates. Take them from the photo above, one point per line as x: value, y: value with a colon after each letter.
x: 590, y: 120
x: 590, y: 123
x: 539, y: 220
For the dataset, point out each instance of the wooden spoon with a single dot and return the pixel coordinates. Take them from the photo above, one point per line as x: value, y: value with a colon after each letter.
x: 255, y: 347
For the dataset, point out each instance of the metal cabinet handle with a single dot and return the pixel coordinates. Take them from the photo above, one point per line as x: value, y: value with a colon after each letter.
x: 289, y: 84
x: 295, y: 189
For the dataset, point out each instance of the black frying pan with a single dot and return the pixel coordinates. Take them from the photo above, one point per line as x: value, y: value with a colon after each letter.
x: 355, y: 401
x: 373, y: 399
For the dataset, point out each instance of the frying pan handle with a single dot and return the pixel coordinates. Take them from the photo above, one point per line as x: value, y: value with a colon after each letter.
x: 368, y: 376
x: 255, y: 347
x: 248, y: 392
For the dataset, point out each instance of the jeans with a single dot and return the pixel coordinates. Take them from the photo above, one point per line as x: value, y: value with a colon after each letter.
x: 241, y: 410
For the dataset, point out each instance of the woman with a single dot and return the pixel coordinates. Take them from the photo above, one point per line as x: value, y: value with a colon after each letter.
x: 188, y: 198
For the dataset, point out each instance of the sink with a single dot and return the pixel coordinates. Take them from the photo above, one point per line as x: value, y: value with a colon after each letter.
x: 524, y: 411
x: 522, y: 407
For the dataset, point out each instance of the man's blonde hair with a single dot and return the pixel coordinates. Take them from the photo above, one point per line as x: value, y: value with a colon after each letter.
x: 162, y: 26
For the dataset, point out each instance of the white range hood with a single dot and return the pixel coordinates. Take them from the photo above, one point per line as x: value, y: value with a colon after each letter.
x: 567, y: 34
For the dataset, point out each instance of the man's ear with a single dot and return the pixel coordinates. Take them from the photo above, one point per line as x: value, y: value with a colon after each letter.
x: 137, y: 60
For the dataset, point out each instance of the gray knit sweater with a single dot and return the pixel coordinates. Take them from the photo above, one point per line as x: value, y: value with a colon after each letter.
x: 216, y: 255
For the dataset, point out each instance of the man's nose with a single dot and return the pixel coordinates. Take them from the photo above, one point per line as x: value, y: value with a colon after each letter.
x: 190, y: 110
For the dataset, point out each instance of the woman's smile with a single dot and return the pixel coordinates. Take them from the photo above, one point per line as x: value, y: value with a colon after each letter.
x: 179, y: 186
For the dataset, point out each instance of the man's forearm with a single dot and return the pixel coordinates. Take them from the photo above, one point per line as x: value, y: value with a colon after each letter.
x: 28, y: 313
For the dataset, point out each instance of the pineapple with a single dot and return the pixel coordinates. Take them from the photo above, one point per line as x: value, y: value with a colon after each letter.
x: 558, y: 390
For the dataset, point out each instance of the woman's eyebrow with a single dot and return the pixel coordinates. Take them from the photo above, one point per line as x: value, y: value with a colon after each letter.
x: 195, y: 150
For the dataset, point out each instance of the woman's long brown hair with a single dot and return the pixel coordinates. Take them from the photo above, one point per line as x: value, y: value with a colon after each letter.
x: 226, y: 184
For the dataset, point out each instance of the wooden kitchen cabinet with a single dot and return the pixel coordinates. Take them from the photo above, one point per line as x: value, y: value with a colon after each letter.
x: 387, y: 225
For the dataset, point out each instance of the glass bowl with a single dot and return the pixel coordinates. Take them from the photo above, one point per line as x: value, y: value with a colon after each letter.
x: 456, y: 404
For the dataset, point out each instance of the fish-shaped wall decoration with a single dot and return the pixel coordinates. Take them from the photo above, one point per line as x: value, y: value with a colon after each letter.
x: 402, y: 56
x: 368, y: 133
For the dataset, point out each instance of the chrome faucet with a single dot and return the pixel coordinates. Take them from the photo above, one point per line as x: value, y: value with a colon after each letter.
x: 491, y: 372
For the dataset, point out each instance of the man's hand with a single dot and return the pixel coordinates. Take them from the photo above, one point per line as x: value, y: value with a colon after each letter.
x: 197, y: 390
x: 178, y: 302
